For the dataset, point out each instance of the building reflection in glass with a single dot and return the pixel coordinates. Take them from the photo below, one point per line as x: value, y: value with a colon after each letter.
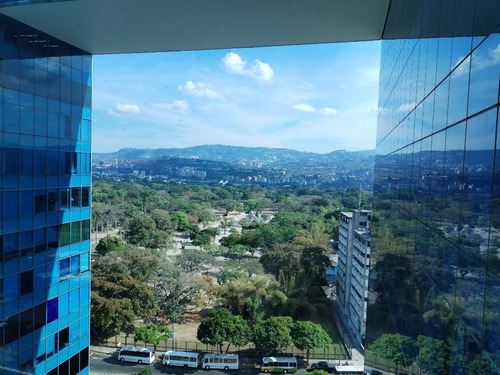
x: 435, y: 260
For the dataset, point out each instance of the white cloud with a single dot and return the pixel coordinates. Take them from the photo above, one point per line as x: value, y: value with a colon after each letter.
x: 179, y: 106
x: 304, y: 107
x: 124, y: 110
x: 236, y: 65
x: 329, y: 111
x: 305, y: 85
x: 199, y: 90
x: 407, y: 107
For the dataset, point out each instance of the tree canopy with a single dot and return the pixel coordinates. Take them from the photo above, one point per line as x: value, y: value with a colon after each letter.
x: 220, y: 327
x: 307, y: 335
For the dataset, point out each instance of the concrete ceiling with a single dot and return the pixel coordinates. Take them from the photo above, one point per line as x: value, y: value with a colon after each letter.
x: 126, y: 26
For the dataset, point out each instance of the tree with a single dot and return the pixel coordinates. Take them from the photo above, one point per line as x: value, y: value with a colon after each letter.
x: 108, y: 316
x: 175, y: 289
x: 433, y: 354
x: 152, y: 334
x: 308, y: 335
x: 252, y: 297
x: 180, y: 219
x: 272, y: 335
x: 220, y: 327
x: 110, y: 244
x: 316, y: 236
x: 396, y: 348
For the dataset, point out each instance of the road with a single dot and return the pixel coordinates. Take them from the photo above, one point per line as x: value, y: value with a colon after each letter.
x: 101, y: 364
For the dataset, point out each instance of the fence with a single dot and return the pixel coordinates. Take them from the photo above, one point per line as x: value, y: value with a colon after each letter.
x: 335, y: 351
x: 383, y: 364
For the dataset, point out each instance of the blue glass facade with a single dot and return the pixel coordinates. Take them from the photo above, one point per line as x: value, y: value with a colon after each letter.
x: 435, y: 262
x: 45, y: 112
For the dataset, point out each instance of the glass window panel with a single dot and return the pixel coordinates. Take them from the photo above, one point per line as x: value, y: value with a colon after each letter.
x: 53, y: 236
x: 492, y: 317
x: 65, y: 198
x: 12, y: 329
x: 64, y: 268
x: 485, y: 75
x: 85, y: 230
x: 75, y: 232
x: 74, y: 300
x: 53, y: 163
x: 40, y: 162
x: 27, y: 322
x: 459, y: 88
x: 27, y: 203
x: 63, y: 305
x: 479, y: 157
x: 84, y: 262
x: 40, y: 201
x: 40, y: 315
x: 52, y: 309
x: 27, y: 162
x: 53, y: 200
x: 85, y: 196
x: 75, y: 197
x: 453, y: 179
x: 40, y: 240
x: 75, y: 265
x: 41, y: 123
x: 26, y: 243
x: 469, y: 300
x: 26, y: 282
x: 11, y: 204
x: 28, y: 120
x: 11, y: 157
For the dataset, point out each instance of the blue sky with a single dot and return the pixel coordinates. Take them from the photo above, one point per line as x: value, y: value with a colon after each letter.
x: 316, y: 98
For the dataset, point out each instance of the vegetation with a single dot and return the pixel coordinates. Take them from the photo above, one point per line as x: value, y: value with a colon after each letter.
x: 308, y: 335
x: 396, y: 348
x: 272, y: 270
x: 152, y: 334
x: 221, y: 327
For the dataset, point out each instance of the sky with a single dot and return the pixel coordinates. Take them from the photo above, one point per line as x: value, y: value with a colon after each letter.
x: 317, y: 98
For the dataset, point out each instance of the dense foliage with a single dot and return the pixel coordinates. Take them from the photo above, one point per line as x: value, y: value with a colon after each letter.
x: 270, y: 263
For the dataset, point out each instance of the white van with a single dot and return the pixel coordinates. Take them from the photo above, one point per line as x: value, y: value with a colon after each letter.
x: 181, y: 359
x: 138, y: 355
x: 220, y: 361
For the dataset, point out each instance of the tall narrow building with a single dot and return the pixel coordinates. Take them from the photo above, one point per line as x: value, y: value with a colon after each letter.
x: 353, y: 271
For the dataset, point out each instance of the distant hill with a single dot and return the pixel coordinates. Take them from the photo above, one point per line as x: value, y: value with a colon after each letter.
x: 268, y: 157
x: 241, y: 165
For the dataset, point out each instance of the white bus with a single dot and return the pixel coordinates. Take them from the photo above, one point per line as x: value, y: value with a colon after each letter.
x: 349, y: 370
x: 220, y: 361
x: 139, y: 355
x: 279, y: 364
x: 181, y: 359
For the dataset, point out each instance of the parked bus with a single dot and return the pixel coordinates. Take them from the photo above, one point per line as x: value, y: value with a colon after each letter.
x: 279, y: 364
x: 349, y: 370
x: 181, y: 359
x: 139, y: 355
x: 220, y: 361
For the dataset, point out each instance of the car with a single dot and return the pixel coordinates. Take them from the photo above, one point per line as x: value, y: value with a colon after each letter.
x: 322, y: 365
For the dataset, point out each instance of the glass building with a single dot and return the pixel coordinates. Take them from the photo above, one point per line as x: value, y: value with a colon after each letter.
x: 45, y: 108
x: 435, y: 262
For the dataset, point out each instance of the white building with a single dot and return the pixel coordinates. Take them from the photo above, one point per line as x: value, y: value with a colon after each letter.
x: 353, y: 270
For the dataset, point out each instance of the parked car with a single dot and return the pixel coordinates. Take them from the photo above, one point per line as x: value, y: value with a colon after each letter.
x: 322, y: 365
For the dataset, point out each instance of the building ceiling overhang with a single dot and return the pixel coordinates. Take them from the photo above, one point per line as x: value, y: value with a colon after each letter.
x: 132, y: 26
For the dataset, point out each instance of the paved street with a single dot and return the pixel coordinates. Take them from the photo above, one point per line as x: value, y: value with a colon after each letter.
x: 104, y: 364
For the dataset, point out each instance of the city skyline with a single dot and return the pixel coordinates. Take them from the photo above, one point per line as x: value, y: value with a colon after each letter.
x: 318, y: 98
